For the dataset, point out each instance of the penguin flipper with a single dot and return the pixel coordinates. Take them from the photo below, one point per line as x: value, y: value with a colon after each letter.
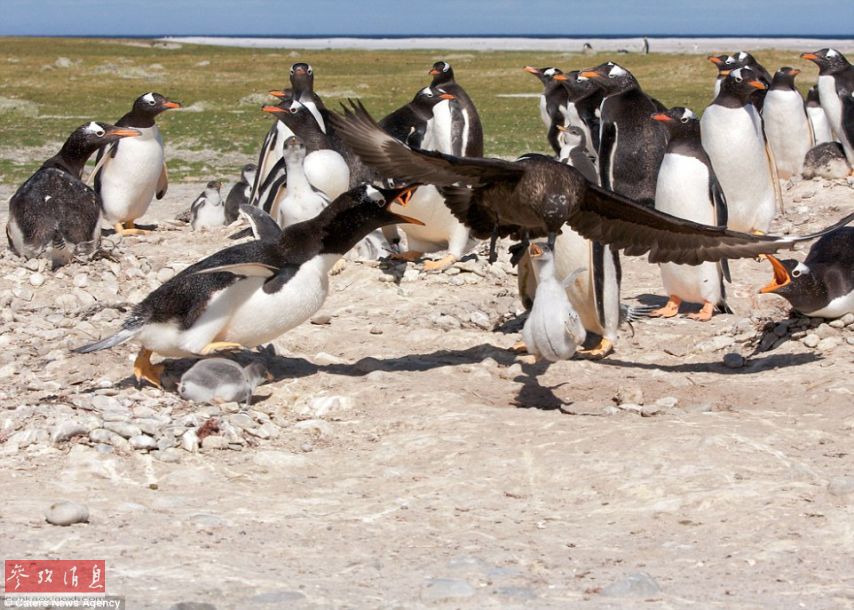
x: 607, y: 140
x: 162, y: 183
x: 261, y: 223
x: 101, y: 160
x: 570, y: 279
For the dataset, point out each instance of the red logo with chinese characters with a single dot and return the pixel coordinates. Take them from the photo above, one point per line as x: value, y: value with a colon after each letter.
x: 55, y: 576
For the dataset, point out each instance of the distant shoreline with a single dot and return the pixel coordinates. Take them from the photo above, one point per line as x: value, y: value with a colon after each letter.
x: 573, y: 44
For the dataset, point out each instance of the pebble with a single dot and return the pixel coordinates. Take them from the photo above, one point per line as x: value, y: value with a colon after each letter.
x: 321, y: 319
x: 81, y: 280
x: 215, y: 442
x: 638, y: 584
x: 243, y: 421
x: 824, y: 331
x: 37, y: 279
x: 67, y: 513
x: 630, y: 394
x: 323, y: 406
x: 193, y: 606
x: 510, y: 372
x: 838, y: 323
x: 123, y: 429
x: 190, y: 441
x: 66, y: 429
x: 841, y: 486
x: 142, y: 441
x: 165, y: 274
x: 481, y: 320
x: 847, y: 319
x: 446, y: 588
x: 733, y: 360
x: 102, y: 435
x: 23, y: 293
x: 280, y: 599
x: 825, y: 345
x: 170, y: 456
x: 811, y: 340
x: 667, y: 402
x: 447, y: 323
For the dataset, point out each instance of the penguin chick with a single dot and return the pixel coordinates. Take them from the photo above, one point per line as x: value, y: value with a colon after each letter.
x: 553, y: 330
x: 215, y: 380
x: 302, y: 201
x: 54, y: 213
x: 573, y: 151
x: 823, y: 285
x: 240, y: 192
x: 208, y: 210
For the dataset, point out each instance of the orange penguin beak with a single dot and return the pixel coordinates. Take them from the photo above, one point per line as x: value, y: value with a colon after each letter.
x: 278, y: 93
x: 715, y: 60
x: 810, y: 56
x: 433, y: 72
x: 757, y: 84
x: 124, y: 132
x: 535, y: 251
x: 171, y: 105
x: 660, y: 116
x: 405, y: 197
x: 272, y: 109
x: 590, y: 74
x: 448, y: 96
x: 531, y: 70
x: 559, y: 77
x: 781, y: 276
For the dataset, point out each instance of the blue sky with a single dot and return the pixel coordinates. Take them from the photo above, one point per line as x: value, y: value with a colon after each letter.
x: 436, y: 17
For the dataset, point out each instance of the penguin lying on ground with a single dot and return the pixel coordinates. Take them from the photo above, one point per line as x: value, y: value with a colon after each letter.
x: 823, y: 285
x: 553, y: 330
x: 826, y: 161
x: 208, y: 210
x: 54, y: 214
x: 687, y: 188
x: 217, y: 380
x: 129, y: 174
x: 239, y: 193
x: 250, y: 293
x: 787, y: 126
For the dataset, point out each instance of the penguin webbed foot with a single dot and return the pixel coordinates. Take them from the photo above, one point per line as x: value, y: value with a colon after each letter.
x: 410, y: 256
x: 440, y: 264
x: 669, y: 310
x: 219, y: 346
x: 705, y: 314
x: 602, y: 349
x: 144, y: 370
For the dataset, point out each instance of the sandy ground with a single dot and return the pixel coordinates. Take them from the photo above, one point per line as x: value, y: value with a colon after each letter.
x: 567, y: 45
x: 449, y: 472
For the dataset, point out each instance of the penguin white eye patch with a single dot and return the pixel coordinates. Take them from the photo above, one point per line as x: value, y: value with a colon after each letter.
x: 93, y: 127
x: 148, y: 98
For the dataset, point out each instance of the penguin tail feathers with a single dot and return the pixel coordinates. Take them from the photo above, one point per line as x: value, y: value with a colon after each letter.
x: 126, y: 333
x: 633, y: 314
x: 723, y: 307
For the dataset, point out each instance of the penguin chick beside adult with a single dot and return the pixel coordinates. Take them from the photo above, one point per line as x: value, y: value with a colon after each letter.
x: 553, y: 101
x: 553, y: 330
x: 787, y: 126
x: 208, y: 210
x: 217, y: 380
x: 128, y: 175
x: 823, y: 285
x: 834, y: 73
x: 687, y: 188
x: 410, y: 122
x: 302, y: 201
x: 573, y: 151
x: 240, y: 192
x: 818, y: 118
x: 54, y: 213
x: 731, y: 134
x: 250, y: 293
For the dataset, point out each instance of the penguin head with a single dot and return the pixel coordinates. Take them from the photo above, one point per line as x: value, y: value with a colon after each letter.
x: 828, y: 60
x: 795, y: 282
x: 784, y: 78
x: 256, y: 373
x: 428, y: 97
x: 720, y: 63
x: 294, y: 150
x: 302, y: 78
x: 540, y: 252
x: 610, y: 76
x: 89, y: 137
x: 151, y: 104
x: 214, y: 185
x: 248, y: 172
x: 546, y: 75
x: 442, y: 72
x: 812, y: 97
x: 678, y: 121
x: 292, y: 113
x: 571, y: 137
x: 359, y: 211
x: 742, y: 82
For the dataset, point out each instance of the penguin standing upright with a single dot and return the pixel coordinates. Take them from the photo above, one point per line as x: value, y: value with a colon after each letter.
x: 582, y: 108
x: 410, y: 122
x: 687, y: 188
x: 240, y: 192
x: 731, y: 133
x: 271, y: 166
x: 834, y: 73
x: 846, y: 96
x: 723, y: 70
x: 130, y: 173
x: 818, y: 118
x: 466, y: 133
x: 787, y: 127
x: 250, y: 293
x: 208, y: 210
x: 553, y: 101
x: 630, y: 147
x: 54, y: 213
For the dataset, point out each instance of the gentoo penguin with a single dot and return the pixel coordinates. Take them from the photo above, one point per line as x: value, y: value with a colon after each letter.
x: 787, y: 127
x: 409, y: 123
x: 250, y: 293
x: 553, y: 101
x: 302, y: 201
x: 582, y: 107
x: 465, y: 134
x: 731, y: 132
x: 630, y: 147
x: 553, y: 330
x: 687, y: 188
x: 271, y: 167
x: 129, y: 174
x: 54, y: 213
x: 723, y: 70
x: 818, y: 118
x: 240, y: 192
x: 302, y: 83
x: 217, y: 380
x: 826, y: 161
x: 573, y: 151
x: 741, y: 59
x: 208, y: 210
x: 823, y: 285
x: 261, y: 224
x: 846, y: 96
x: 834, y: 73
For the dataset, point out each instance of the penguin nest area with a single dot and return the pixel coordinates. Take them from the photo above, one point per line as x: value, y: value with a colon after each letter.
x: 402, y: 454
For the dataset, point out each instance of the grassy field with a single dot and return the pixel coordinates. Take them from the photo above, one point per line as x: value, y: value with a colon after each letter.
x: 50, y: 86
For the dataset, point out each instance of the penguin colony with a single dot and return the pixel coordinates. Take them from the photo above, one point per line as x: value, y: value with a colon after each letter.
x: 629, y: 174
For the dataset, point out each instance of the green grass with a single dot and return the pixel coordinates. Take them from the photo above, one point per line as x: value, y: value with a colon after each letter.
x: 41, y: 102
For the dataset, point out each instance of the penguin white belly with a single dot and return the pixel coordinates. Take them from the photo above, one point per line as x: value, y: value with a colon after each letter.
x: 299, y: 205
x: 442, y: 128
x: 466, y: 131
x: 820, y: 127
x: 787, y: 130
x: 129, y: 180
x: 837, y: 308
x: 741, y: 165
x: 264, y: 316
x: 208, y: 217
x: 546, y: 331
x: 682, y: 190
x: 428, y: 206
x: 831, y: 104
x: 543, y: 113
x: 327, y: 171
x: 571, y: 252
x: 572, y: 118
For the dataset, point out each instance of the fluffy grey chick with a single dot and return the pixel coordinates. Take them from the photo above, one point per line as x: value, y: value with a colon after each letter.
x: 553, y: 330
x: 216, y: 380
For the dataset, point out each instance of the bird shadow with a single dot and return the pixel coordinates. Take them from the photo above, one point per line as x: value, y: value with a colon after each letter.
x: 752, y: 365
